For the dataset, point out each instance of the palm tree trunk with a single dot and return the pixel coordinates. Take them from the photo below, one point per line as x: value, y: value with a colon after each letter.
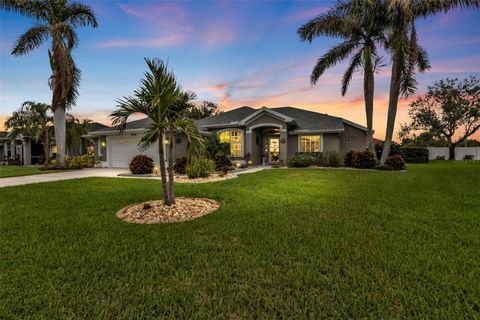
x: 368, y: 91
x: 163, y: 172
x: 60, y: 131
x: 170, y: 169
x: 392, y: 110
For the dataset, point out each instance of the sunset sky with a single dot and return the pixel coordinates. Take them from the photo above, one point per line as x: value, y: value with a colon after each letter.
x: 232, y: 53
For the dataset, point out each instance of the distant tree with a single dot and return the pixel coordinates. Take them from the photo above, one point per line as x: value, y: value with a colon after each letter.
x: 55, y: 19
x: 202, y: 110
x: 32, y: 120
x: 450, y: 106
x: 424, y: 139
x: 75, y: 130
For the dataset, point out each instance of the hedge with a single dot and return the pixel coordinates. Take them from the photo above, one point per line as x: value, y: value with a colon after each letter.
x: 414, y: 154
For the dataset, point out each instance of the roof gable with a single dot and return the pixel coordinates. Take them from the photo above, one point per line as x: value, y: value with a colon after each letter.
x: 262, y: 111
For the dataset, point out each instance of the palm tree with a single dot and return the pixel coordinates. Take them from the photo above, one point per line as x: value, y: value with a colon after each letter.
x: 75, y: 130
x: 361, y: 32
x: 32, y: 120
x: 162, y: 100
x: 56, y: 19
x: 406, y: 54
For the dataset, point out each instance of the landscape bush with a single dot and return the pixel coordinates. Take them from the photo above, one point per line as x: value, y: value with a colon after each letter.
x: 79, y: 162
x: 349, y: 158
x: 180, y: 165
x: 396, y: 162
x: 200, y: 168
x: 364, y: 160
x: 222, y: 163
x: 440, y: 158
x: 468, y: 157
x: 301, y: 161
x: 332, y: 158
x: 414, y: 154
x: 141, y: 164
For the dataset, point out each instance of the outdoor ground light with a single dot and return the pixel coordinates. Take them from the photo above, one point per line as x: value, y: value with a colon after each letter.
x: 250, y: 162
x: 238, y: 165
x: 156, y: 170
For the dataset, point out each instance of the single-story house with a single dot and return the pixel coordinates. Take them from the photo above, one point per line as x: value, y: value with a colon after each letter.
x: 257, y: 136
x: 29, y: 152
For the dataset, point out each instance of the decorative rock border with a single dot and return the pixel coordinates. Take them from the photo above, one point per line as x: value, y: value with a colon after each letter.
x: 183, y: 178
x: 151, y: 212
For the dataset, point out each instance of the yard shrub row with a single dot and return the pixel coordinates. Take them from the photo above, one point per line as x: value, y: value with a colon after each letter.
x: 79, y: 162
x: 414, y: 155
x: 330, y: 158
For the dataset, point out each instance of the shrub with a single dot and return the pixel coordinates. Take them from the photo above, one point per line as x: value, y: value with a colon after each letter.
x: 222, y: 163
x: 141, y: 164
x: 414, y: 154
x: 395, y: 162
x: 79, y: 162
x: 384, y: 167
x: 180, y: 165
x: 332, y: 158
x: 349, y: 158
x: 440, y: 158
x: 364, y: 160
x: 200, y: 168
x: 469, y: 157
x: 301, y: 161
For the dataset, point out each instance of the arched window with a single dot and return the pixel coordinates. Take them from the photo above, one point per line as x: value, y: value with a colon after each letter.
x: 235, y: 138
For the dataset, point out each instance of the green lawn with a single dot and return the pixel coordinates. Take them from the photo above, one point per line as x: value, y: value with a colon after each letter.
x: 17, y: 171
x: 285, y: 243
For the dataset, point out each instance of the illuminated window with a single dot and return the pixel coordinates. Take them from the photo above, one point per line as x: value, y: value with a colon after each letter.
x: 310, y: 144
x: 235, y: 138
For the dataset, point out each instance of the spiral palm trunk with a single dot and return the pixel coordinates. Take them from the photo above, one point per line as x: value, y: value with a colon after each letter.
x: 170, y: 170
x: 163, y: 171
x: 368, y: 91
x: 392, y: 110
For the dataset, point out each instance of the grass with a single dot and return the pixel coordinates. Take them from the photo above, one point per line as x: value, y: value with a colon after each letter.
x: 17, y: 171
x: 286, y: 243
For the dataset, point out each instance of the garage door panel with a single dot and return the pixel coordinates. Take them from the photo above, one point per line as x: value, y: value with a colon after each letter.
x: 123, y: 149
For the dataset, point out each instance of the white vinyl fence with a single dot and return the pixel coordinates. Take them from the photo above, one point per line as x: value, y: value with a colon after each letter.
x: 460, y: 152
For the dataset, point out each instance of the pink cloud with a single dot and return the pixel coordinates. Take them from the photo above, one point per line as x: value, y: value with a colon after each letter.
x: 306, y: 14
x: 167, y: 41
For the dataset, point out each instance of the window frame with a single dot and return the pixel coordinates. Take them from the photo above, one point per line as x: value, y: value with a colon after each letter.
x: 299, y: 142
x: 242, y: 142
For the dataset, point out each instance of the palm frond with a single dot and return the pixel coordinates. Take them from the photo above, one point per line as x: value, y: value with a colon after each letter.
x: 355, y: 63
x: 79, y: 14
x: 332, y: 57
x: 31, y: 39
x: 31, y: 8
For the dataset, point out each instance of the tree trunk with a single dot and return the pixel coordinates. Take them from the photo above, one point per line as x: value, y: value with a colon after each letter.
x: 392, y: 110
x: 451, y: 149
x: 170, y: 169
x: 368, y: 91
x: 163, y: 172
x: 60, y: 131
x: 46, y: 147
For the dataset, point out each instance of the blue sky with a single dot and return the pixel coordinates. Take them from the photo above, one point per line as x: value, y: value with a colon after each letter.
x: 233, y: 53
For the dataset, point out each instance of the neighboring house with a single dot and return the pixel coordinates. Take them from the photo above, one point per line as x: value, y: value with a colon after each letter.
x: 29, y: 152
x: 258, y: 136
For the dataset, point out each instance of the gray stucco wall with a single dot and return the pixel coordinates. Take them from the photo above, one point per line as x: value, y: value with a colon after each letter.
x: 180, y: 146
x: 353, y: 139
x: 331, y: 142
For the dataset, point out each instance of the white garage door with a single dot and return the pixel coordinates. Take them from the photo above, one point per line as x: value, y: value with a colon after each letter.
x: 123, y: 149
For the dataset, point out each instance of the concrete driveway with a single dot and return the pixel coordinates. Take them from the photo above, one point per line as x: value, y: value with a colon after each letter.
x: 87, y: 173
x: 66, y: 175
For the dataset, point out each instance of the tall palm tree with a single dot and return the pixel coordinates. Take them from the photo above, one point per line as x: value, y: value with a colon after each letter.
x: 162, y: 100
x: 361, y: 32
x: 406, y: 53
x: 32, y: 120
x: 75, y: 130
x: 55, y: 19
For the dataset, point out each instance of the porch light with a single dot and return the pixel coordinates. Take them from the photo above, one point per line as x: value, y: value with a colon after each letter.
x: 103, y: 144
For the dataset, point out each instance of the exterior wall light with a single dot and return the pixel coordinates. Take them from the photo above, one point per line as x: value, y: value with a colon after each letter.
x: 103, y: 144
x: 166, y: 141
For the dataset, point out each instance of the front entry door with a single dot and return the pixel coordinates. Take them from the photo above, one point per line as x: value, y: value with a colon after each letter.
x: 273, y: 150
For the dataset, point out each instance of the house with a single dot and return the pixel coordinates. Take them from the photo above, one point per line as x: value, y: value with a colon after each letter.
x: 28, y: 151
x: 257, y: 136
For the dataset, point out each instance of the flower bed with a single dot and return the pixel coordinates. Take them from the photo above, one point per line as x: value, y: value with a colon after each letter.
x: 155, y: 211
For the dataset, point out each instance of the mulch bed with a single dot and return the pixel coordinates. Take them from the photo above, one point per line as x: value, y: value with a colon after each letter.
x: 155, y: 211
x: 183, y: 178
